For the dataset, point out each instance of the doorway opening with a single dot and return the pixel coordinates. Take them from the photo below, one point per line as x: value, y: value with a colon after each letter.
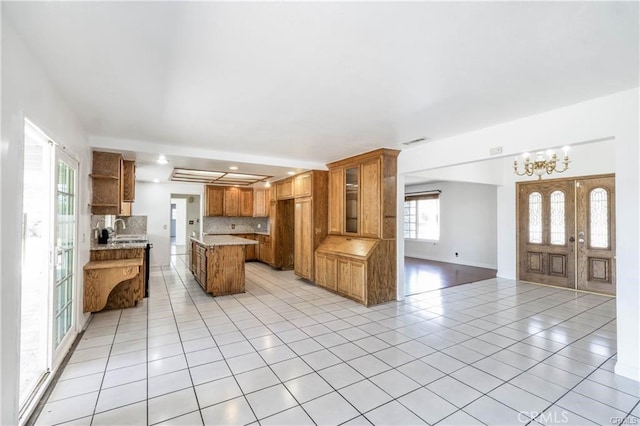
x: 185, y: 221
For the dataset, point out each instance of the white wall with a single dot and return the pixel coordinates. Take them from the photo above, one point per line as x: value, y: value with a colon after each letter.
x: 27, y: 92
x: 468, y: 213
x: 614, y: 117
x: 154, y: 201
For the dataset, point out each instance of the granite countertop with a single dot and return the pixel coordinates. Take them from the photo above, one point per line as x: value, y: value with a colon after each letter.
x: 119, y: 246
x: 222, y: 240
x: 261, y: 232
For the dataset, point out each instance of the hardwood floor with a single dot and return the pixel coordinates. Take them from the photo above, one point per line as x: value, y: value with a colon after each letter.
x: 422, y: 275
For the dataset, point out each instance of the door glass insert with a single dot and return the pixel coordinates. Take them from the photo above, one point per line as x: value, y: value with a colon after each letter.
x: 65, y: 241
x: 557, y: 218
x: 351, y: 210
x: 599, y: 218
x: 535, y: 218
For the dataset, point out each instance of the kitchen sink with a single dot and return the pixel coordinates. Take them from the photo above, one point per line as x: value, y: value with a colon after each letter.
x: 127, y: 239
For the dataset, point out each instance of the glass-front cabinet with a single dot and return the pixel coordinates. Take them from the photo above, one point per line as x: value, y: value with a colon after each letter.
x: 352, y: 207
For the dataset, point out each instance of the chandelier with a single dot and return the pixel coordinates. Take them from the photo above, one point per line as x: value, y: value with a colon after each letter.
x: 541, y: 164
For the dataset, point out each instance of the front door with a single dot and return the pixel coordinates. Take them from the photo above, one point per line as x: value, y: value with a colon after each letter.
x: 566, y: 233
x: 546, y: 214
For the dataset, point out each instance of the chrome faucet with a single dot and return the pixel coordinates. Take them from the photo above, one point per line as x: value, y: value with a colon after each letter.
x: 115, y: 225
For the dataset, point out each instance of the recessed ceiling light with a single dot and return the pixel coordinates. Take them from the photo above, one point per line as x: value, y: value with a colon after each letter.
x: 156, y: 181
x: 233, y: 167
x: 267, y: 184
x: 291, y: 173
x: 162, y: 159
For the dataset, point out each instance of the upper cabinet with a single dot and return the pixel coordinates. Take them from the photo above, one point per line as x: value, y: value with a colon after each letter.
x: 302, y: 185
x: 113, y: 184
x: 362, y: 195
x: 214, y: 200
x: 128, y: 181
x: 246, y: 202
x: 261, y: 199
x: 228, y: 201
x: 284, y: 189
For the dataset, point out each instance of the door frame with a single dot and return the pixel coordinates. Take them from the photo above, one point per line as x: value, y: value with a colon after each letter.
x: 575, y: 252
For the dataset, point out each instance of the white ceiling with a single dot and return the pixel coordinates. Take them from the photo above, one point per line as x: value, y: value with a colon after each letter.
x: 315, y: 82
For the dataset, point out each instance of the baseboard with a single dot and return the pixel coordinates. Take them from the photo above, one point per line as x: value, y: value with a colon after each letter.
x: 629, y: 371
x: 455, y: 261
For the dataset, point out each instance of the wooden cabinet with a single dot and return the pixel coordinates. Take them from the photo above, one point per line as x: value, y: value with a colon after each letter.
x: 303, y: 247
x: 128, y: 292
x: 302, y: 185
x: 251, y: 250
x: 264, y: 249
x: 128, y: 181
x: 246, y: 202
x: 326, y: 271
x: 336, y: 194
x: 218, y: 269
x: 112, y: 184
x: 298, y: 218
x: 105, y: 183
x: 362, y: 195
x: 226, y: 201
x: 370, y: 192
x: 284, y: 189
x: 231, y: 202
x: 351, y: 278
x: 261, y: 199
x: 214, y: 200
x: 362, y: 269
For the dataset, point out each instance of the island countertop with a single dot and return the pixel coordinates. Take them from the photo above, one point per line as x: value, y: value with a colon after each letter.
x: 222, y: 240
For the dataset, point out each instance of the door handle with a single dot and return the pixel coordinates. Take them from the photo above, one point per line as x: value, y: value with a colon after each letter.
x: 581, y: 237
x: 572, y: 240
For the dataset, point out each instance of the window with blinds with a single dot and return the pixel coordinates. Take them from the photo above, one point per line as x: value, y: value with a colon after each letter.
x: 422, y: 216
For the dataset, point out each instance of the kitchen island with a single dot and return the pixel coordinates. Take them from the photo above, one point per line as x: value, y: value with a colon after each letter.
x: 217, y: 263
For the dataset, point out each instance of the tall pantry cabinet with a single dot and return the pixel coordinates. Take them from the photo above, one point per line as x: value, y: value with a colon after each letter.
x: 358, y: 259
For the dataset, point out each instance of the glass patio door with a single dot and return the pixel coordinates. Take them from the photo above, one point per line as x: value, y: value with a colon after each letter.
x: 48, y: 261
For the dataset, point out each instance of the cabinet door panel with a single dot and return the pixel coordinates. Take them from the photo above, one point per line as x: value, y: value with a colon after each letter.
x: 344, y: 276
x: 302, y: 186
x: 357, y: 274
x: 370, y: 199
x: 285, y: 189
x: 214, y: 201
x: 303, y: 248
x: 321, y: 270
x: 336, y: 205
x: 246, y: 202
x: 261, y: 203
x: 331, y: 276
x: 231, y: 202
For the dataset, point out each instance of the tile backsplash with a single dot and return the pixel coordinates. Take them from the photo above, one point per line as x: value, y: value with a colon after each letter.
x: 234, y: 225
x: 135, y: 224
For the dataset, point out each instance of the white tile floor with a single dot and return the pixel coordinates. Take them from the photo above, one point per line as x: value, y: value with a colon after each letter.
x: 289, y: 353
